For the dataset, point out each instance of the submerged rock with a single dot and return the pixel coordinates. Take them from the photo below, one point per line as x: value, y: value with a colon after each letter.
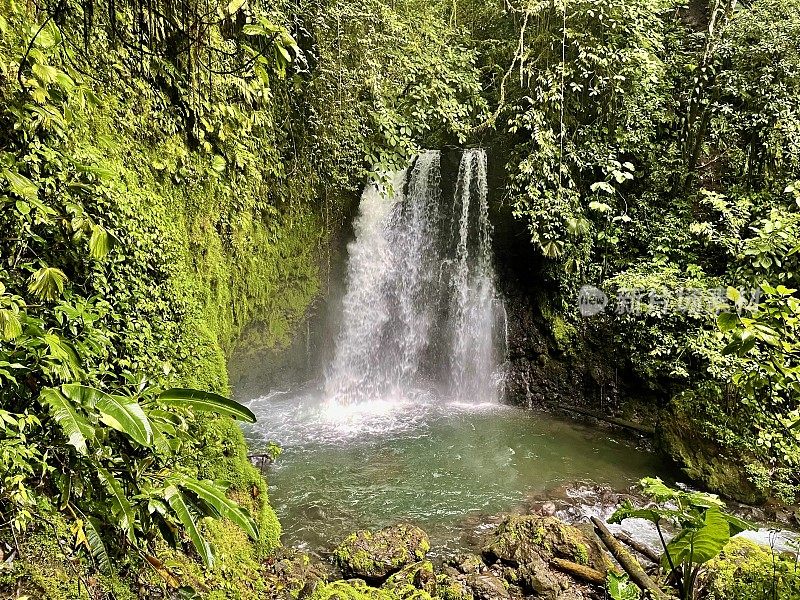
x: 375, y: 556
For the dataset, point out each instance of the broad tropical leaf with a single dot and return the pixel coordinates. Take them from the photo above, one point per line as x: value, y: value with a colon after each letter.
x: 122, y: 508
x: 225, y: 507
x: 10, y: 324
x: 654, y: 515
x: 738, y: 525
x: 178, y: 504
x: 620, y: 587
x: 699, y: 545
x: 21, y: 185
x: 206, y: 402
x: 122, y: 413
x: 47, y: 283
x: 74, y: 425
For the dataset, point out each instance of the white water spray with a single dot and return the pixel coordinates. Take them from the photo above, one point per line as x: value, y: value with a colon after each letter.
x: 421, y: 313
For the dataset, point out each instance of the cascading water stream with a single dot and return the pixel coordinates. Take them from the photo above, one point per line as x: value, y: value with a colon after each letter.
x: 421, y: 313
x: 406, y: 428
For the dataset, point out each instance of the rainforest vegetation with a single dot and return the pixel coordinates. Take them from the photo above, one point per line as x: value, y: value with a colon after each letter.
x: 172, y: 171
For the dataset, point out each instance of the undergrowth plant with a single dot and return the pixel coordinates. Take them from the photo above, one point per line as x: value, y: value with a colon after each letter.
x: 701, y: 527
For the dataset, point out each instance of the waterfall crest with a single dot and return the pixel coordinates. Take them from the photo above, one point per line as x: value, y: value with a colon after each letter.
x: 421, y: 313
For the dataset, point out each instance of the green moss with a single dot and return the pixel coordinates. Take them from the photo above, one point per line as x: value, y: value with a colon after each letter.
x: 687, y: 433
x: 747, y: 571
x: 45, y: 567
x: 448, y: 588
x: 378, y: 555
x: 358, y: 590
x: 423, y: 549
x: 563, y: 333
x: 581, y: 554
x: 235, y: 574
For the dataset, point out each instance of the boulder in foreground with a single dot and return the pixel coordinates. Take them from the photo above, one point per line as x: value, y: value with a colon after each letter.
x: 376, y: 556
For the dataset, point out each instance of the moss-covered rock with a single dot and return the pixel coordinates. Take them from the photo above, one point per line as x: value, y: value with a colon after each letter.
x: 538, y: 578
x: 682, y: 436
x: 359, y: 590
x: 520, y: 539
x: 375, y: 556
x: 746, y: 571
x: 451, y: 586
x: 527, y: 544
x: 468, y: 563
x: 419, y: 575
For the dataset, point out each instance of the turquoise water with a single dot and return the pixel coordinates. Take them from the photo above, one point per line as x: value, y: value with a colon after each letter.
x: 445, y: 467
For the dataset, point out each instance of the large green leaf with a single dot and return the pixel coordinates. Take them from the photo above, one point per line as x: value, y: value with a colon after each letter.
x: 225, y: 507
x: 21, y: 185
x: 10, y: 324
x: 738, y: 525
x: 178, y: 504
x: 699, y: 545
x: 101, y: 242
x: 121, y: 506
x: 122, y: 413
x: 206, y: 402
x: 96, y: 546
x: 74, y: 425
x: 654, y: 515
x: 620, y: 587
x: 47, y: 283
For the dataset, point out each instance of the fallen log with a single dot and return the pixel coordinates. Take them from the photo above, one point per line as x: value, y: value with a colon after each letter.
x: 628, y: 562
x: 608, y: 419
x: 639, y: 547
x: 582, y: 572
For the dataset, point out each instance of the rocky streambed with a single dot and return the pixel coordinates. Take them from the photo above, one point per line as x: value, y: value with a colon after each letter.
x: 521, y: 556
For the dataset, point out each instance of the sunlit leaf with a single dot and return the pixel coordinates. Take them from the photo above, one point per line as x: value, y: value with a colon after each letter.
x: 215, y: 497
x: 122, y: 413
x: 178, y: 504
x: 65, y: 413
x: 47, y: 283
x: 100, y: 243
x: 206, y: 402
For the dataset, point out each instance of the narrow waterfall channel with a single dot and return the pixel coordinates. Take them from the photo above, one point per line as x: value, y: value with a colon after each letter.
x: 421, y: 313
x: 405, y: 422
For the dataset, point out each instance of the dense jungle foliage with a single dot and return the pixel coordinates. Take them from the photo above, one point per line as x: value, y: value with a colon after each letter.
x: 170, y: 172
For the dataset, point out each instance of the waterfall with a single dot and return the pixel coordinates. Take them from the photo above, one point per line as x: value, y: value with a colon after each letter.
x: 421, y: 313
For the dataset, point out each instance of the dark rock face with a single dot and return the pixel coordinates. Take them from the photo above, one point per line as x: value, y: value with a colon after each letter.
x: 375, y: 556
x: 549, y: 361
